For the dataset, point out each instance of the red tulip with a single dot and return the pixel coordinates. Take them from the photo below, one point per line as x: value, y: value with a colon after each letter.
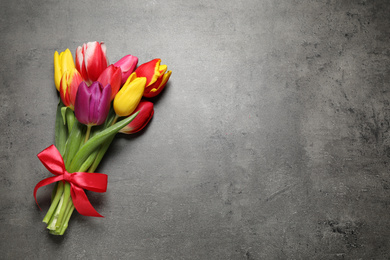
x: 111, y: 75
x: 127, y: 65
x: 155, y: 75
x: 146, y: 112
x: 91, y: 60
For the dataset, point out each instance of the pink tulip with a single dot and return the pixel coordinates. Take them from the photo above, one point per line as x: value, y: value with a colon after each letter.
x: 127, y: 65
x: 91, y: 60
x: 146, y: 112
x: 111, y: 75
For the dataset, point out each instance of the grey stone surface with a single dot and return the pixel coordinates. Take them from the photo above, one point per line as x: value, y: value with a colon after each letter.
x: 271, y: 141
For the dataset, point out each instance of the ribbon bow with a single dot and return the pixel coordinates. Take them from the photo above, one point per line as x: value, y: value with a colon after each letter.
x: 97, y: 182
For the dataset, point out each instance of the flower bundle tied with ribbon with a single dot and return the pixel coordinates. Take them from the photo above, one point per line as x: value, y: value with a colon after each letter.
x: 97, y: 100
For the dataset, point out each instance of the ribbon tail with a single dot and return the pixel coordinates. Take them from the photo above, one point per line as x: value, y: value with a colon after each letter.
x: 91, y: 181
x: 81, y: 202
x: 45, y: 182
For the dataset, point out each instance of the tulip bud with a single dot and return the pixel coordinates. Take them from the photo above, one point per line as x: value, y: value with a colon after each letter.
x: 70, y: 82
x: 155, y: 75
x: 146, y: 112
x: 91, y: 60
x: 127, y: 65
x: 111, y: 75
x: 129, y: 96
x: 92, y: 103
x: 62, y: 63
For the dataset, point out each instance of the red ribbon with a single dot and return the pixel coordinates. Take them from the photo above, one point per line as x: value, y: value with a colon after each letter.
x: 97, y: 182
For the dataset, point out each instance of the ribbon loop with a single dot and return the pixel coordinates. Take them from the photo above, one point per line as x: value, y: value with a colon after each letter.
x: 52, y: 160
x: 97, y: 182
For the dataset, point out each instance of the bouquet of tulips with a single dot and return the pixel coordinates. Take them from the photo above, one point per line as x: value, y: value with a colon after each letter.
x: 97, y: 100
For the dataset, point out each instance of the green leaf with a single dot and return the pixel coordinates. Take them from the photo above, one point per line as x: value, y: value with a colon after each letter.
x: 73, y: 144
x: 63, y: 112
x: 96, y: 141
x: 87, y: 163
x: 101, y: 152
x: 70, y: 119
x: 61, y: 131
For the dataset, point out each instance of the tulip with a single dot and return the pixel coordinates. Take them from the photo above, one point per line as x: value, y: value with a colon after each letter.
x: 91, y: 60
x: 70, y: 82
x: 92, y: 103
x: 146, y: 112
x: 156, y: 78
x: 129, y: 96
x: 62, y: 63
x: 111, y: 75
x: 127, y: 65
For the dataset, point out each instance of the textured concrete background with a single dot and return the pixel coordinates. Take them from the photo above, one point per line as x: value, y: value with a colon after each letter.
x: 271, y: 141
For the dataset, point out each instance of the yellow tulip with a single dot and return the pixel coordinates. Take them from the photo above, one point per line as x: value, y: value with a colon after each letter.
x: 62, y: 63
x: 130, y: 95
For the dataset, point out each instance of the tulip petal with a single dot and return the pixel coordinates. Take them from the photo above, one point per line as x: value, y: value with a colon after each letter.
x: 149, y: 70
x: 83, y: 98
x: 80, y: 65
x: 127, y: 65
x: 104, y: 56
x: 57, y: 70
x: 75, y: 81
x: 91, y: 60
x: 95, y: 60
x: 165, y: 79
x: 145, y: 109
x: 69, y: 84
x: 159, y: 85
x: 64, y: 89
x: 104, y: 104
x: 94, y: 102
x: 129, y: 96
x: 62, y: 63
x: 162, y: 69
x: 67, y: 62
x: 111, y: 75
x: 153, y: 87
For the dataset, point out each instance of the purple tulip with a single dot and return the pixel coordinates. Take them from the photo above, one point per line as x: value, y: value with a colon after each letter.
x: 92, y: 103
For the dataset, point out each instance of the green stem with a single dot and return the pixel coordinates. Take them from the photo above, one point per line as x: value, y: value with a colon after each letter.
x: 84, y: 167
x: 54, y: 192
x: 110, y: 117
x: 115, y: 119
x: 54, y: 204
x: 68, y: 212
x: 53, y: 220
x: 64, y: 204
x: 79, y: 158
x: 88, y: 133
x: 72, y: 146
x: 68, y: 215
